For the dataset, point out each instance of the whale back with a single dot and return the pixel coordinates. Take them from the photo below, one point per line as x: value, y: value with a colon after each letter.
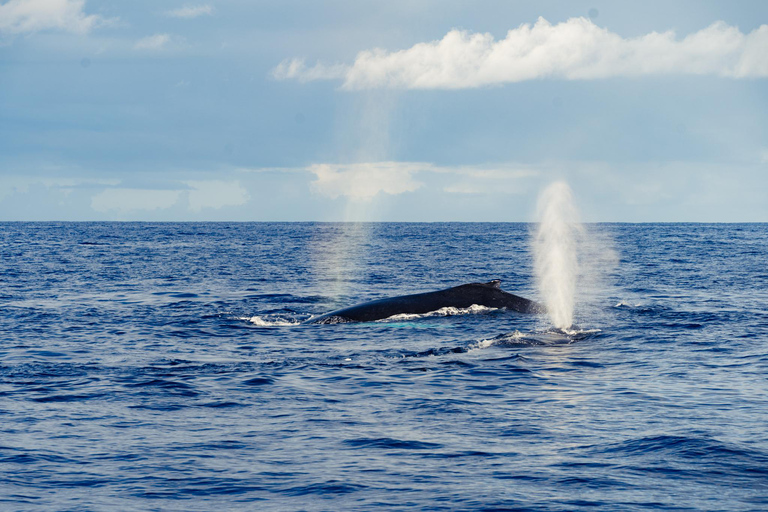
x: 487, y: 294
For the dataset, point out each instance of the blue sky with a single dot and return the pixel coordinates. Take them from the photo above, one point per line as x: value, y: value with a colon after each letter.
x: 404, y: 111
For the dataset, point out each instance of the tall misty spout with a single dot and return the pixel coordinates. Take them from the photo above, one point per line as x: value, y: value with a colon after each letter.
x: 555, y: 252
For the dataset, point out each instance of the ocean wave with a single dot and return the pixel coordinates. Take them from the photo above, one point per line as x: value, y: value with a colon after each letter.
x: 546, y: 337
x: 627, y: 304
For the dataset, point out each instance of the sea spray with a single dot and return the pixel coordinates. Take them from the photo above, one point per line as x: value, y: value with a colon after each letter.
x: 555, y: 248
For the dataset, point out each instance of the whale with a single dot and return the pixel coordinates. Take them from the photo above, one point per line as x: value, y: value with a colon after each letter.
x: 487, y: 294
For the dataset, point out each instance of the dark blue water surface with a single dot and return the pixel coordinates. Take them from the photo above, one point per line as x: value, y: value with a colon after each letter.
x: 164, y: 367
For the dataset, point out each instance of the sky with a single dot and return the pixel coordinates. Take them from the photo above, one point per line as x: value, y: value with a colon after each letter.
x: 246, y: 110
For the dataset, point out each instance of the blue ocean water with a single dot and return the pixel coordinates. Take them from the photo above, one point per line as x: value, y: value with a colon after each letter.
x: 164, y: 367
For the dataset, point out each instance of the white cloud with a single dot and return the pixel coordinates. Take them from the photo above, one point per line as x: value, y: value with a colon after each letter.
x: 576, y: 49
x: 132, y: 199
x: 297, y: 69
x: 25, y: 16
x: 191, y: 11
x: 155, y: 42
x: 216, y: 194
x: 365, y: 180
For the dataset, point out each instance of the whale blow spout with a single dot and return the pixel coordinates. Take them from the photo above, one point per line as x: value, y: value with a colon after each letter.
x: 555, y: 249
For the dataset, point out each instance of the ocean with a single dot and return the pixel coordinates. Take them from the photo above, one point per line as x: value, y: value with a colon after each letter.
x: 166, y: 366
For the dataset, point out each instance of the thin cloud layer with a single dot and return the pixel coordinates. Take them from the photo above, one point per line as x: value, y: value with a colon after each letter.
x: 297, y: 69
x: 200, y: 195
x: 190, y: 11
x: 27, y: 16
x: 364, y: 181
x: 155, y: 42
x: 576, y: 49
x: 216, y: 194
x: 124, y: 200
x: 479, y: 181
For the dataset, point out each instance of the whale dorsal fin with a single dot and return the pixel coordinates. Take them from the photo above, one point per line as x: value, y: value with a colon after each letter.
x: 496, y: 283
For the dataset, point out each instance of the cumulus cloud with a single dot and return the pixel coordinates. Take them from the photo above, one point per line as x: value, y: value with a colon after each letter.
x: 216, y: 194
x: 364, y: 181
x: 26, y: 16
x: 190, y: 11
x: 576, y: 49
x: 155, y: 42
x: 124, y: 200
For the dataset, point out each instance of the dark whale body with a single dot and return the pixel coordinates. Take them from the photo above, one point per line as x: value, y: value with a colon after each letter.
x: 482, y: 294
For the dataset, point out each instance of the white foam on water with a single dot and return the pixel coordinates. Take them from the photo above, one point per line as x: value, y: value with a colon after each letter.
x: 627, y: 304
x: 483, y: 344
x: 263, y: 322
x: 576, y: 333
x: 447, y: 311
